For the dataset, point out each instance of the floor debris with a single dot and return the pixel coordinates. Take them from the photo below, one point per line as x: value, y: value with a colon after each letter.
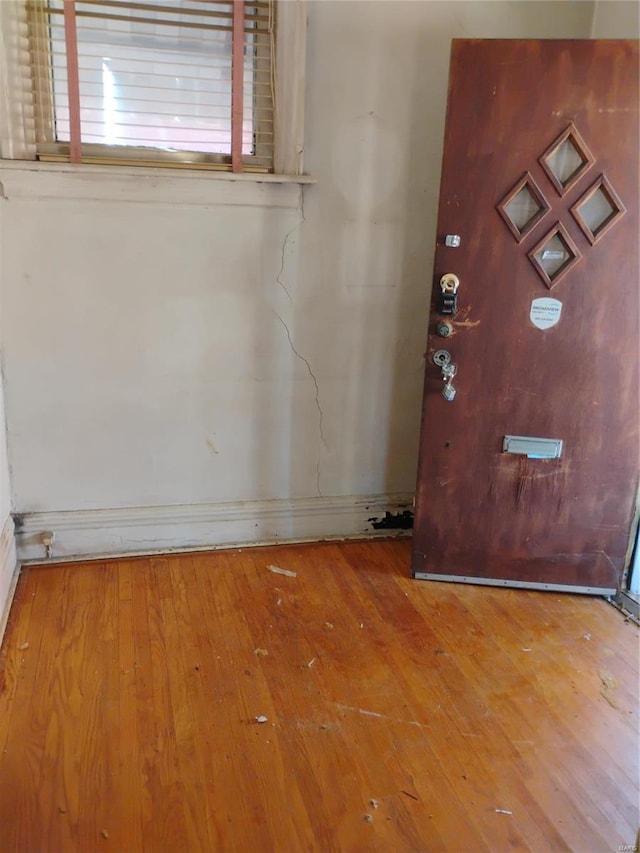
x: 407, y: 794
x: 23, y: 646
x: 526, y: 650
x: 311, y: 662
x: 374, y: 803
x: 368, y: 818
x: 587, y: 636
x: 286, y: 572
x: 262, y: 719
x: 328, y: 625
x: 104, y: 833
x: 261, y: 652
x: 502, y: 811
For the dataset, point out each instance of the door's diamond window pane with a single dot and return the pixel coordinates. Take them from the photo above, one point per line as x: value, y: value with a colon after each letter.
x: 522, y: 208
x: 553, y: 256
x: 596, y: 211
x: 565, y: 161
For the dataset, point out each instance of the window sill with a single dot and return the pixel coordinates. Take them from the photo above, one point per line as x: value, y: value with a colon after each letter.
x: 25, y: 179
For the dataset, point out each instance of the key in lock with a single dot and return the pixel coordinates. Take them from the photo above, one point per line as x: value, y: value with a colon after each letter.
x: 448, y: 372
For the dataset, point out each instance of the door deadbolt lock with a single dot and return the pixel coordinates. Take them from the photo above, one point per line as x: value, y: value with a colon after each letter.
x: 441, y: 357
x: 449, y: 284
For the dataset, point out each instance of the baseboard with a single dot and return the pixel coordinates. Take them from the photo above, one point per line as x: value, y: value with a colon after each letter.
x: 8, y: 572
x: 146, y: 530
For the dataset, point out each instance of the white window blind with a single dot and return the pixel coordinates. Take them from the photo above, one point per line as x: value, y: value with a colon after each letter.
x: 176, y: 82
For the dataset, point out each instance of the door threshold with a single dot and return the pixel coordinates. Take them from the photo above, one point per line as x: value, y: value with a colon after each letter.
x: 551, y: 587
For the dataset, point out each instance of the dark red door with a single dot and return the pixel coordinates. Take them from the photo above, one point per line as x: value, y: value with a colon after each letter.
x: 528, y: 476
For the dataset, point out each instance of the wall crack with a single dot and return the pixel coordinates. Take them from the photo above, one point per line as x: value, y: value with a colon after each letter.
x: 298, y: 355
x: 287, y: 237
x: 314, y: 379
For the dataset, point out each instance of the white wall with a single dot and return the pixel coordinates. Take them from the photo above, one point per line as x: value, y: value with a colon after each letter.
x: 7, y: 539
x: 616, y: 19
x: 145, y: 361
x: 5, y: 488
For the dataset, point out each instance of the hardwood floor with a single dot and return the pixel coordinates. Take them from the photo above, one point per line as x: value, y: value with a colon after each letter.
x: 401, y: 715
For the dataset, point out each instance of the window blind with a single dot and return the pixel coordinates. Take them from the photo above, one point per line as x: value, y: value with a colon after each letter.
x: 176, y: 82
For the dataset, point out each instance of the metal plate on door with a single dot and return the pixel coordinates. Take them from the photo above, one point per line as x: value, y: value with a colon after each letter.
x: 532, y: 447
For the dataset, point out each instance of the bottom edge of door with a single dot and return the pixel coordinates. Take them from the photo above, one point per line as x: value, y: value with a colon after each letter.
x: 553, y: 587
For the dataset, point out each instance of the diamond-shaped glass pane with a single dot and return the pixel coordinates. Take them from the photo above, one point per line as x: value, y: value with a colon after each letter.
x: 554, y: 255
x: 598, y: 209
x: 523, y: 207
x: 566, y: 159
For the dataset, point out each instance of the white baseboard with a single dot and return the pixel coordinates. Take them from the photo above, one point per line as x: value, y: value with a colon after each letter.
x: 147, y: 530
x: 8, y: 572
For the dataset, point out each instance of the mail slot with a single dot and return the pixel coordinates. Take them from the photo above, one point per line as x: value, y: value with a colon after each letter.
x: 532, y: 447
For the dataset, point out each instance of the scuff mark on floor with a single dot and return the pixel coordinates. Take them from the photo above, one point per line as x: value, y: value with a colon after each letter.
x: 366, y: 713
x: 608, y: 689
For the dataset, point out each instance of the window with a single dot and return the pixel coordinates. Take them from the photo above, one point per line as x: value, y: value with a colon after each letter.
x: 212, y: 84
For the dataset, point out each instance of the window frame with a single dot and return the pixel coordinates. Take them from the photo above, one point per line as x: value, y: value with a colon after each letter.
x: 18, y: 118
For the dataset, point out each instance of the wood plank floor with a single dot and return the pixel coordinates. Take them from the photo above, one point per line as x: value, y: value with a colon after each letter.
x: 401, y: 715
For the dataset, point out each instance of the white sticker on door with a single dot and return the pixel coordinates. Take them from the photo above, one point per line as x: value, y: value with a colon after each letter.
x: 545, y: 312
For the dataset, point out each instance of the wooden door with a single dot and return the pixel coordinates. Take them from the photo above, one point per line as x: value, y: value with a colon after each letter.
x: 540, y: 183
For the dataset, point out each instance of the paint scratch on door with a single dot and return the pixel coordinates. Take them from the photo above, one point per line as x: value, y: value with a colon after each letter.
x: 466, y: 324
x: 463, y: 321
x: 528, y: 476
